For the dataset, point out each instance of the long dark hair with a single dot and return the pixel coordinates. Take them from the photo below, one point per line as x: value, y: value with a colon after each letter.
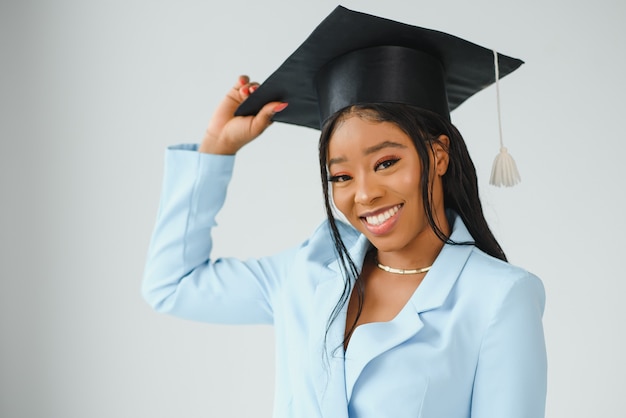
x: 460, y: 185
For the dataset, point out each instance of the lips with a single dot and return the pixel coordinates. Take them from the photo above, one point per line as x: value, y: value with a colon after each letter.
x: 382, y: 221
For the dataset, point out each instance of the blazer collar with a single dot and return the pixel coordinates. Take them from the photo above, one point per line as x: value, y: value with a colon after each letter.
x: 436, y: 286
x: 371, y: 340
x: 333, y: 386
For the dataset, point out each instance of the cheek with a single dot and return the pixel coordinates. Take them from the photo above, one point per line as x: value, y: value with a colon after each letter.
x: 409, y: 186
x: 341, y: 200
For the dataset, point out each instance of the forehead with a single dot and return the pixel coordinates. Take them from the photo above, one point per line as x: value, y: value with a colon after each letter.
x: 356, y: 132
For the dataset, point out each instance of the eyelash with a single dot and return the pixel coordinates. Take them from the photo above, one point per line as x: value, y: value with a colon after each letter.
x: 387, y: 161
x: 339, y: 179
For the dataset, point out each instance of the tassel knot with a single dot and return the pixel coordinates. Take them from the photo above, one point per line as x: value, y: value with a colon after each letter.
x: 504, y: 171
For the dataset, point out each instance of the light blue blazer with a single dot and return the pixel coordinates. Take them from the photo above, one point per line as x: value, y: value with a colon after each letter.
x: 469, y: 343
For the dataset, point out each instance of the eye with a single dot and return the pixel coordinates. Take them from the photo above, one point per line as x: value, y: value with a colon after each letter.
x: 339, y: 178
x: 385, y: 163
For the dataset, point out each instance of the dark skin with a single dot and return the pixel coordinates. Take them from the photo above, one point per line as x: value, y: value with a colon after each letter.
x: 226, y: 133
x: 376, y: 173
x: 380, y: 173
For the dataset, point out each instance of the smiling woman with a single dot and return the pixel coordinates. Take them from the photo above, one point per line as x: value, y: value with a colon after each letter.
x: 376, y: 174
x: 376, y: 185
x: 408, y: 310
x: 377, y: 156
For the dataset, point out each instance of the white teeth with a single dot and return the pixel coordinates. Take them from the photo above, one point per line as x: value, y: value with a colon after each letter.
x: 379, y: 219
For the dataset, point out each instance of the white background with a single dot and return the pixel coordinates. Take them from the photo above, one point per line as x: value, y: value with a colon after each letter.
x: 91, y: 93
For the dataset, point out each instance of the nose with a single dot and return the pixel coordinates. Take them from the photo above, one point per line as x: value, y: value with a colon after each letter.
x: 368, y: 190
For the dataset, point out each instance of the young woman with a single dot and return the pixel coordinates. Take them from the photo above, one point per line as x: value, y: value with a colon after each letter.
x: 411, y: 309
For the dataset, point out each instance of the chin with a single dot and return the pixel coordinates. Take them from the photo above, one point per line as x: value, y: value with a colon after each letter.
x: 386, y: 244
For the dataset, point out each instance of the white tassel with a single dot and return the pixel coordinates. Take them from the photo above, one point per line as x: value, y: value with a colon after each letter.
x: 504, y: 171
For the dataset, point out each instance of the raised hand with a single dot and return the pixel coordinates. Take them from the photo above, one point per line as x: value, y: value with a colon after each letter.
x: 226, y: 133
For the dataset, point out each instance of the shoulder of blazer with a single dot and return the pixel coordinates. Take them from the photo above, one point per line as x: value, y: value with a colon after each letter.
x: 498, y: 277
x: 494, y: 266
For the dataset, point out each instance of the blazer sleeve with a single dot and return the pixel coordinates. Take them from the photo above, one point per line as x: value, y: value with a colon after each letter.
x: 511, y: 373
x: 180, y: 278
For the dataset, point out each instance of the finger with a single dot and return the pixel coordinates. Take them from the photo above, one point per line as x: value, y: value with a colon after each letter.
x: 241, y: 90
x: 246, y: 90
x: 249, y: 88
x: 263, y: 119
x: 235, y: 92
x: 253, y: 86
x: 241, y: 81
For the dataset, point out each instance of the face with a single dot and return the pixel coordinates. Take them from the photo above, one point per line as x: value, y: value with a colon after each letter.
x: 375, y: 173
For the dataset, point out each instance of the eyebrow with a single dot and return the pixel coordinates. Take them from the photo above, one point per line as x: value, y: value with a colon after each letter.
x: 368, y: 151
x: 382, y: 145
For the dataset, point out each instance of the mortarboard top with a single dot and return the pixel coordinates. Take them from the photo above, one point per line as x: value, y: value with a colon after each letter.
x: 353, y: 57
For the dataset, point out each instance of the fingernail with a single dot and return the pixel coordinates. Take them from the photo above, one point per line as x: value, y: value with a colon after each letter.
x: 252, y: 89
x: 242, y: 79
x: 245, y: 90
x: 280, y: 107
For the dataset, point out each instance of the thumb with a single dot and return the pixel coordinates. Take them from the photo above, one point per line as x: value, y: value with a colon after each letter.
x: 263, y: 119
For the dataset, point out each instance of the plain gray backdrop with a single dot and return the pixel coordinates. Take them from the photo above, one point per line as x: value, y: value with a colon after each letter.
x: 91, y: 93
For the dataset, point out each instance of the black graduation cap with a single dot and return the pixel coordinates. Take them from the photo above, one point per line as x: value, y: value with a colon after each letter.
x: 353, y: 57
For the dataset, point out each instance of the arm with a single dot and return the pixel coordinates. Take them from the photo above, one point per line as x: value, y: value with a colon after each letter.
x: 511, y: 373
x: 179, y: 276
x: 180, y: 279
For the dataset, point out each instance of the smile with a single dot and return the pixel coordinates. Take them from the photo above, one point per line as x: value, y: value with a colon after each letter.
x: 380, y: 218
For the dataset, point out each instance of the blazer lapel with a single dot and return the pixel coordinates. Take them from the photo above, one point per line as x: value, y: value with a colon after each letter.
x: 334, y: 382
x: 371, y: 340
x: 329, y: 380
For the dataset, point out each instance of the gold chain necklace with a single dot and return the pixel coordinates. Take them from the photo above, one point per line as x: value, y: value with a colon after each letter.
x: 402, y: 271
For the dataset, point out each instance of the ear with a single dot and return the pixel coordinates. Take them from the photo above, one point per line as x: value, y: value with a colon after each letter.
x: 441, y: 156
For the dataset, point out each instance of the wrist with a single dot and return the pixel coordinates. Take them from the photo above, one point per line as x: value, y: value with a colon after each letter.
x: 213, y: 145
